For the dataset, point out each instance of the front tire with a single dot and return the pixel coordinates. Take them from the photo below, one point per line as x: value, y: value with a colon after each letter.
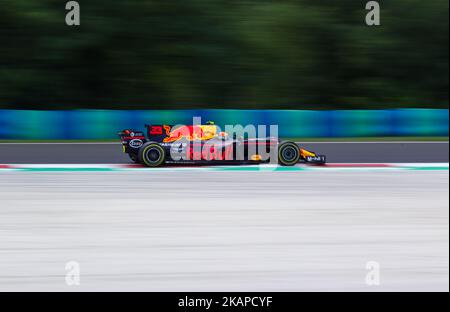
x: 152, y: 154
x: 288, y: 154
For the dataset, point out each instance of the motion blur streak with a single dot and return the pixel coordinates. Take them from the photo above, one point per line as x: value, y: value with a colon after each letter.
x: 211, y: 231
x: 292, y: 54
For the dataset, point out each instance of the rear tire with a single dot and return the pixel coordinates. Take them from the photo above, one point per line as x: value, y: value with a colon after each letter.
x: 152, y: 154
x: 134, y: 158
x: 288, y: 154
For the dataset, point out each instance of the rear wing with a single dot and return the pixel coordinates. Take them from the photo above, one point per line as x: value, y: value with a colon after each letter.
x: 157, y: 133
x: 130, y: 134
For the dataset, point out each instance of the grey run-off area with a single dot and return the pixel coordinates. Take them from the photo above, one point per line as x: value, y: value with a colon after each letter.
x: 224, y: 231
x: 111, y: 153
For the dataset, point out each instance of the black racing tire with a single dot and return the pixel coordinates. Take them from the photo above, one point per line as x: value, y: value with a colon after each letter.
x: 134, y: 158
x: 151, y: 154
x: 288, y: 153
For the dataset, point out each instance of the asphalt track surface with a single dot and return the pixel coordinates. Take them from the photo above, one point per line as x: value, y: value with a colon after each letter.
x: 111, y: 153
x: 201, y: 230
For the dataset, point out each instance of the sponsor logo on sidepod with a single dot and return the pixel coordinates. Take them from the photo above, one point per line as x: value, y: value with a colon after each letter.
x: 191, y: 133
x: 136, y: 143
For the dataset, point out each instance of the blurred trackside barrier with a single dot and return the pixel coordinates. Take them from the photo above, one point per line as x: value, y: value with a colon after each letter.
x: 104, y: 124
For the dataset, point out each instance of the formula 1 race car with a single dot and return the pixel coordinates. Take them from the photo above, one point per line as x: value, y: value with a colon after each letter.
x: 206, y: 144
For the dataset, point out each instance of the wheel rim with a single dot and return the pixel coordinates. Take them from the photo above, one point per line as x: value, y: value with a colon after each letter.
x: 288, y: 154
x: 153, y: 155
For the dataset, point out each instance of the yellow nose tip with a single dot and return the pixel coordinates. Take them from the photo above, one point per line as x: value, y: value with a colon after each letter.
x: 256, y: 157
x: 305, y: 153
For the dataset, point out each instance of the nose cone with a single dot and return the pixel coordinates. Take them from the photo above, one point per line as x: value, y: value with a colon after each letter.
x: 304, y: 153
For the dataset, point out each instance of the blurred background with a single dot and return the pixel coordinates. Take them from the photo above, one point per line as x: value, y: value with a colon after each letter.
x: 217, y: 54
